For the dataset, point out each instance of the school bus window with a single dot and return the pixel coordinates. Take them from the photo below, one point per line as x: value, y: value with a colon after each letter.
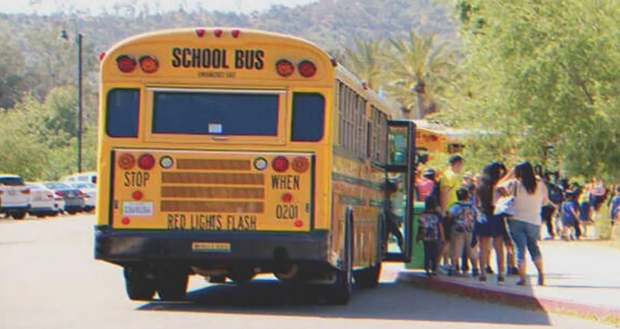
x: 308, y: 117
x: 208, y: 113
x: 369, y: 140
x: 123, y: 112
x: 379, y: 136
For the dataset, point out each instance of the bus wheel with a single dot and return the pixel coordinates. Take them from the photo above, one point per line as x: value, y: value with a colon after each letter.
x: 340, y: 293
x: 368, y: 277
x: 138, y: 285
x: 172, y: 286
x: 241, y: 276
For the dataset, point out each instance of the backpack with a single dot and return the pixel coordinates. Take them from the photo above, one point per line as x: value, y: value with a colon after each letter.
x: 465, y: 218
x: 555, y: 194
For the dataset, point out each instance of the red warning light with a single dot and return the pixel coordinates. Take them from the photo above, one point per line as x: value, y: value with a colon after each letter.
x: 125, y: 220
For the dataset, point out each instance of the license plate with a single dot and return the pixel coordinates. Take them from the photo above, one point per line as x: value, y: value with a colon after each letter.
x: 211, y: 246
x: 71, y: 195
x: 12, y: 192
x: 138, y: 209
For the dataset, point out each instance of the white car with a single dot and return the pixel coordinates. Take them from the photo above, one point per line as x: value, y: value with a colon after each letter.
x: 15, y: 196
x: 43, y: 201
x: 90, y: 194
x: 86, y: 177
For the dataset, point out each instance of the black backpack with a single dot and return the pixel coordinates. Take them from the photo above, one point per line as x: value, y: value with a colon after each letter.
x: 555, y: 193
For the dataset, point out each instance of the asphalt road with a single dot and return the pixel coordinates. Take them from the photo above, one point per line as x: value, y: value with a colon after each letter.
x: 48, y: 279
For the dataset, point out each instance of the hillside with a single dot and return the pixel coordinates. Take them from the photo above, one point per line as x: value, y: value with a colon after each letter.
x: 329, y: 23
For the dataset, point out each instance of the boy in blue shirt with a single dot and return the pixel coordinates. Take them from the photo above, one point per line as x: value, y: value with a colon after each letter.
x: 614, y: 210
x: 570, y: 215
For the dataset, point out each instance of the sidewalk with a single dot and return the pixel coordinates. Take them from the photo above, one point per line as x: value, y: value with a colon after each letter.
x: 582, y: 278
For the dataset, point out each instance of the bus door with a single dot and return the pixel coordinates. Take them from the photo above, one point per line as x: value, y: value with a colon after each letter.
x: 400, y: 167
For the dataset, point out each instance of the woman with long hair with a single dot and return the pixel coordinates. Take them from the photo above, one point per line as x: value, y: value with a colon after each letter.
x: 524, y: 226
x: 489, y: 229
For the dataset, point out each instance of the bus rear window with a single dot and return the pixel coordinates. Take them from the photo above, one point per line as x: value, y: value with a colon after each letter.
x: 213, y: 113
x: 308, y: 117
x: 123, y: 112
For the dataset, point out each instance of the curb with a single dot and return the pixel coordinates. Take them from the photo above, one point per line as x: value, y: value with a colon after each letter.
x: 510, y: 298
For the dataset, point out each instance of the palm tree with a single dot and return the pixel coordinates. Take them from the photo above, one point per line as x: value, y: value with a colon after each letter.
x: 365, y: 60
x: 417, y: 64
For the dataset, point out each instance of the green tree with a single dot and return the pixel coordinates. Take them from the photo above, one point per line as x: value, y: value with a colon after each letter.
x: 365, y: 60
x: 542, y: 73
x: 421, y: 67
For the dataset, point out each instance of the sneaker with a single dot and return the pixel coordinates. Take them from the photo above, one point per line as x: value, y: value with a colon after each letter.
x: 514, y: 271
x: 489, y: 270
x: 475, y: 272
x: 500, y: 279
x: 483, y: 278
x: 451, y: 272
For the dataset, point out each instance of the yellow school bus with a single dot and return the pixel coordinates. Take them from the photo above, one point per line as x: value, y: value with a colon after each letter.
x: 228, y: 153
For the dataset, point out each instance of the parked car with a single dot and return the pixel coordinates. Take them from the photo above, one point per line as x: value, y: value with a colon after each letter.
x: 73, y: 197
x: 90, y: 194
x: 43, y: 201
x: 15, y: 196
x: 86, y: 177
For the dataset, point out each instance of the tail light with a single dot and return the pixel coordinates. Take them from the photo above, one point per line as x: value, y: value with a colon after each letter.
x: 235, y: 33
x: 146, y: 162
x: 298, y: 223
x: 287, y: 198
x: 166, y: 162
x: 260, y: 164
x: 137, y: 195
x: 217, y: 33
x: 101, y: 56
x: 126, y: 63
x: 50, y: 196
x: 149, y: 64
x: 80, y: 193
x: 306, y: 68
x: 280, y: 164
x: 200, y: 32
x: 25, y: 191
x: 285, y: 68
x: 126, y: 161
x: 300, y: 165
x: 60, y: 193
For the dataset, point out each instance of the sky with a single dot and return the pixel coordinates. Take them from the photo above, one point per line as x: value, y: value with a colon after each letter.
x: 95, y: 6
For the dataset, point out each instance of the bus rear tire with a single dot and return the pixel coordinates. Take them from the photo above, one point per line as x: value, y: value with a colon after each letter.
x: 340, y: 292
x: 241, y: 276
x: 172, y: 286
x: 368, y: 277
x: 138, y: 285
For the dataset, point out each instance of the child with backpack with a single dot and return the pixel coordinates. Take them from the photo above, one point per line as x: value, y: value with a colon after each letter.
x: 463, y: 215
x: 570, y: 215
x: 430, y: 231
x: 614, y: 210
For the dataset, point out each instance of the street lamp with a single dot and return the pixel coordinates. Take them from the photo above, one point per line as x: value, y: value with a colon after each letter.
x: 78, y: 41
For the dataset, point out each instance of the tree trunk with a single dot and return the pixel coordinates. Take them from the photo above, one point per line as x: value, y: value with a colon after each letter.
x: 419, y: 89
x: 421, y: 108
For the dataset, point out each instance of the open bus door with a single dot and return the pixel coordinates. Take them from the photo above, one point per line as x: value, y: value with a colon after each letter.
x: 401, y: 166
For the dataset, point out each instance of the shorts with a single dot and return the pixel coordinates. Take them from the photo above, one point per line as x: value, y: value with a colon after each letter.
x: 462, y: 241
x: 494, y: 227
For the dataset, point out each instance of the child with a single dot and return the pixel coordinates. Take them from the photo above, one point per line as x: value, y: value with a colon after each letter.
x: 570, y: 215
x: 584, y: 210
x: 430, y: 231
x: 614, y: 210
x: 463, y: 215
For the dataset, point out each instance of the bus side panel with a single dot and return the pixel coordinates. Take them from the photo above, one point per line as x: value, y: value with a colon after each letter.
x: 356, y: 184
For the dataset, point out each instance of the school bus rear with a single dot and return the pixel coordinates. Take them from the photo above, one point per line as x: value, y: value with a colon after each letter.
x: 213, y: 149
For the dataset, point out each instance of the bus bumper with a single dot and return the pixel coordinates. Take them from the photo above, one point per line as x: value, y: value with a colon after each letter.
x: 210, y: 248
